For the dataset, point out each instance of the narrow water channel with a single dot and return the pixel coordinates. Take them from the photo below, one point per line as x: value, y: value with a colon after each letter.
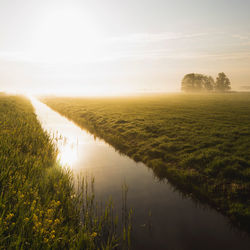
x: 176, y: 222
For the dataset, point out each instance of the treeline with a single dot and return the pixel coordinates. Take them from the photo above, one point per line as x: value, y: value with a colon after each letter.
x: 200, y: 83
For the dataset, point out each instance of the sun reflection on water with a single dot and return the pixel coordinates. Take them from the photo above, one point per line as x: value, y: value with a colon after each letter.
x: 68, y: 151
x: 66, y: 137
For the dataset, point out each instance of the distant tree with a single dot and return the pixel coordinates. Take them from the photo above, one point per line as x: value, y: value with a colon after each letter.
x: 187, y: 83
x: 222, y: 82
x: 209, y: 83
x: 197, y: 83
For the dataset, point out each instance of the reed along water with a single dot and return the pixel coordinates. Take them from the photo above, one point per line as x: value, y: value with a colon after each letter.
x: 163, y: 218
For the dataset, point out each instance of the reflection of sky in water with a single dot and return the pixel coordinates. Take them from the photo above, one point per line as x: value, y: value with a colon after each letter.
x: 177, y: 222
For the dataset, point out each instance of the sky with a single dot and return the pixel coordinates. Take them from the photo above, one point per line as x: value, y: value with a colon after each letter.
x: 109, y: 47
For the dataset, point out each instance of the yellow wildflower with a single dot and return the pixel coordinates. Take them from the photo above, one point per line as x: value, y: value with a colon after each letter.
x: 9, y: 216
x: 50, y: 212
x: 94, y: 234
x: 57, y: 221
x: 35, y: 218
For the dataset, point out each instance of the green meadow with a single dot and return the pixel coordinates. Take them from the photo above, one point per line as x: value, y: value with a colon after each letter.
x: 39, y: 205
x: 200, y: 142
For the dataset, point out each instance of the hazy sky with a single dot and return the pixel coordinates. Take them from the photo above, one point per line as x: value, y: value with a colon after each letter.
x: 111, y: 46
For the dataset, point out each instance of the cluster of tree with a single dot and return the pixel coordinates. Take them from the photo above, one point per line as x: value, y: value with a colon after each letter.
x: 198, y: 83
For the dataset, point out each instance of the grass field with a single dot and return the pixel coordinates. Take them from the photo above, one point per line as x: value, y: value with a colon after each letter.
x: 39, y: 207
x: 200, y: 142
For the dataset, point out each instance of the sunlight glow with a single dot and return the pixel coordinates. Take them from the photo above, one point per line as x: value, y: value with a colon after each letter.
x: 68, y: 153
x: 66, y: 35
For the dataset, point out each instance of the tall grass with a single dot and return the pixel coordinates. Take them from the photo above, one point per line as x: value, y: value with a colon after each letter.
x: 199, y: 142
x: 39, y: 206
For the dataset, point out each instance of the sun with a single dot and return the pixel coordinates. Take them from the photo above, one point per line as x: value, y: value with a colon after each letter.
x: 67, y: 35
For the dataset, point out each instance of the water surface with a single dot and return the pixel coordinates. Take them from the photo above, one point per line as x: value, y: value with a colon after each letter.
x: 177, y: 222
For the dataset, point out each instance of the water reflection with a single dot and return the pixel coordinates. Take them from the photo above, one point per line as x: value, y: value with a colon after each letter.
x: 163, y: 219
x: 71, y: 141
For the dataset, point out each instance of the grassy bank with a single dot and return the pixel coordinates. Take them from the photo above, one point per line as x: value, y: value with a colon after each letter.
x: 39, y: 207
x: 200, y: 142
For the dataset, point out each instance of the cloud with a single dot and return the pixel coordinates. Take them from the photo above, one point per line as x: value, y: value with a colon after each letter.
x: 15, y: 56
x: 177, y: 46
x: 152, y: 38
x: 146, y: 46
x: 174, y: 55
x: 245, y: 37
